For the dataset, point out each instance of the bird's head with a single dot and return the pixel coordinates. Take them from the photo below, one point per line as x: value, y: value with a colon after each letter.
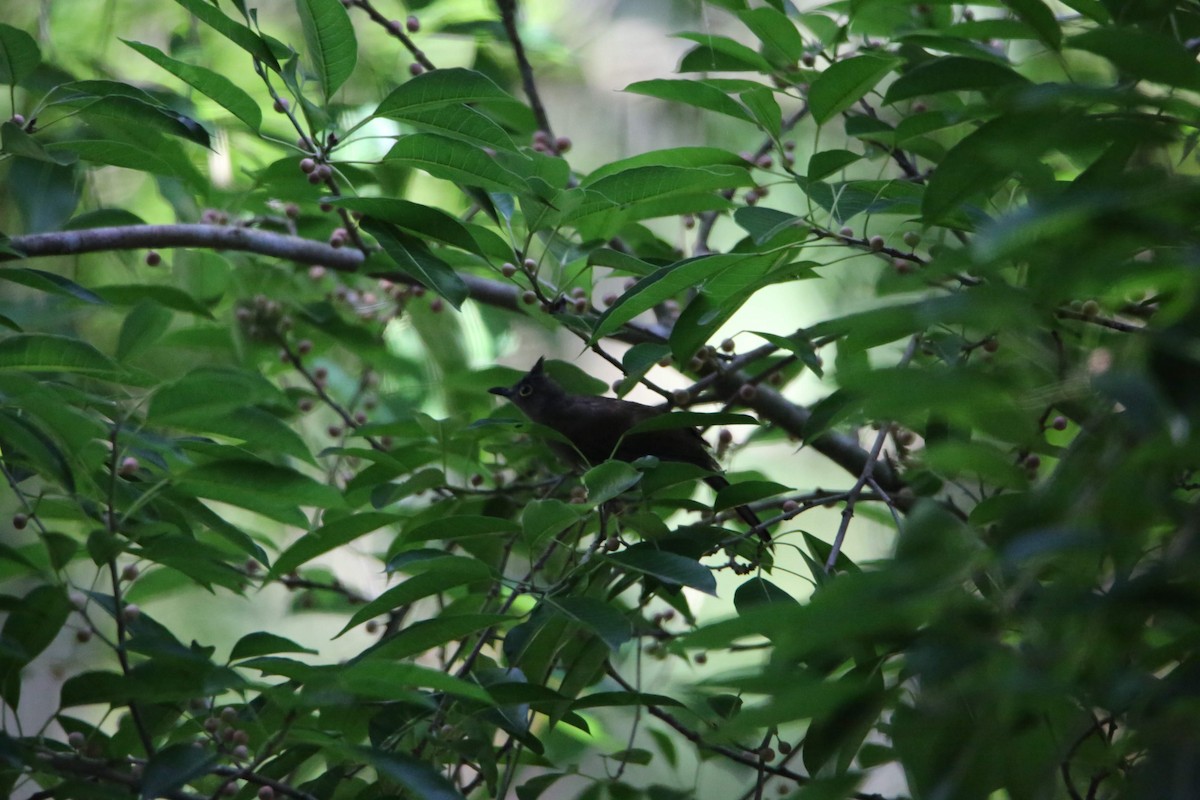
x: 535, y: 393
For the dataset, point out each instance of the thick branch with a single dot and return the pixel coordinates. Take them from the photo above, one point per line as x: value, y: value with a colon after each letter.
x: 843, y: 450
x: 216, y: 237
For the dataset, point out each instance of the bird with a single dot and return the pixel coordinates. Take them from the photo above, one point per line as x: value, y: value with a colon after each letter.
x: 598, y: 429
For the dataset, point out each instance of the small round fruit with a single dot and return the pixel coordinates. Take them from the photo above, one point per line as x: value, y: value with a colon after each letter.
x: 153, y: 258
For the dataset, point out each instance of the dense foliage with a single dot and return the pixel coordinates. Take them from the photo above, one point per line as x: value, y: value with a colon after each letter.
x: 259, y: 264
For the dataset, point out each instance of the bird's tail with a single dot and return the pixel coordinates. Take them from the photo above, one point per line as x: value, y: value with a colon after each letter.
x: 718, y: 482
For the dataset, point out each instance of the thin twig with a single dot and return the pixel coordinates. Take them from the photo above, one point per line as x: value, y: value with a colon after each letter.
x: 865, y: 476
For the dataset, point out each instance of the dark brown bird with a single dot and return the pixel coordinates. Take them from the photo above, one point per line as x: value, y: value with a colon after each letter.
x: 597, y: 428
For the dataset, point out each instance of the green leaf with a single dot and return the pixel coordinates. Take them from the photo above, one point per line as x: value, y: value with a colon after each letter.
x: 463, y: 123
x: 613, y: 628
x: 42, y: 352
x: 130, y: 114
x: 329, y: 36
x: 420, y: 779
x: 667, y: 567
x: 19, y: 55
x: 235, y: 32
x: 778, y: 34
x: 415, y: 258
x: 141, y: 328
x: 172, y: 767
x: 454, y: 161
x: 439, y: 88
x: 329, y: 537
x: 642, y: 184
x: 49, y: 282
x: 377, y: 679
x: 673, y: 157
x: 261, y: 643
x: 16, y: 142
x: 542, y: 518
x: 32, y: 624
x: 720, y: 53
x: 827, y: 162
x: 123, y: 294
x: 606, y: 481
x: 271, y: 490
x: 984, y: 158
x: 128, y: 156
x: 203, y: 563
x: 743, y: 492
x: 664, y: 284
x: 428, y: 222
x: 758, y: 590
x: 427, y: 634
x: 617, y: 699
x: 952, y: 74
x: 223, y: 91
x: 762, y: 105
x: 454, y: 528
x: 1143, y: 54
x: 845, y: 83
x: 694, y: 93
x: 210, y: 392
x: 437, y: 575
x: 1037, y: 15
x: 26, y: 443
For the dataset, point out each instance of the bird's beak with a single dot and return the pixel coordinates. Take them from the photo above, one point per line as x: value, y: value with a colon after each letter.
x: 503, y: 391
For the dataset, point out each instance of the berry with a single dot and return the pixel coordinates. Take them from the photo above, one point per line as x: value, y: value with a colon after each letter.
x: 76, y: 739
x: 725, y: 437
x: 131, y: 613
x: 153, y: 259
x: 415, y: 69
x: 747, y: 392
x: 266, y: 793
x: 83, y: 635
x: 307, y: 165
x: 508, y: 270
x: 789, y: 506
x: 876, y: 243
x: 528, y: 297
x: 129, y: 573
x: 562, y: 144
x: 1091, y: 308
x: 912, y: 238
x: 129, y: 466
x: 1059, y: 423
x: 304, y: 347
x: 412, y: 23
x: 529, y: 264
x: 846, y: 232
x: 19, y: 520
x: 394, y: 27
x: 281, y: 105
x: 437, y: 305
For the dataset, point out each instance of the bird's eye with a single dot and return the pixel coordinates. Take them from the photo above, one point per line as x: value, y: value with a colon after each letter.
x: 525, y: 390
